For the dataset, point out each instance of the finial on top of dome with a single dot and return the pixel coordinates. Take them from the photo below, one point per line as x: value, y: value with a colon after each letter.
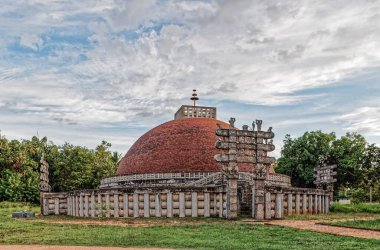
x: 194, y: 96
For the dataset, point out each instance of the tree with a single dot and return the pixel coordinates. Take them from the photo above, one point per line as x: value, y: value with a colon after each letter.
x: 371, y: 171
x: 299, y: 156
x: 71, y: 167
x: 348, y: 153
x: 358, y: 164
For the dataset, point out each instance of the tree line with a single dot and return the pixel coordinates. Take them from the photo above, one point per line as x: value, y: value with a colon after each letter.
x: 357, y: 162
x: 70, y: 167
x: 75, y: 167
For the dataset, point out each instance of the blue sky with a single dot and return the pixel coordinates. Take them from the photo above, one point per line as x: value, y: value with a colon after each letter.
x: 86, y: 71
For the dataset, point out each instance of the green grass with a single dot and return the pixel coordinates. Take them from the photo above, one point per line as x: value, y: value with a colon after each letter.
x: 356, y: 208
x: 215, y: 234
x: 332, y: 216
x: 369, y: 224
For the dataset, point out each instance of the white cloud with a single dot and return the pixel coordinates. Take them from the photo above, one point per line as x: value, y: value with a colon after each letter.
x: 108, y: 62
x: 32, y: 41
x: 364, y: 120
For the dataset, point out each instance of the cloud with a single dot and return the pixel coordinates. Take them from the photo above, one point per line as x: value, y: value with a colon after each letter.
x: 107, y: 62
x: 364, y: 120
x: 32, y: 41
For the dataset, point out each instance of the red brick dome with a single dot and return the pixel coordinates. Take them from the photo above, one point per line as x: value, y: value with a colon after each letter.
x: 184, y: 145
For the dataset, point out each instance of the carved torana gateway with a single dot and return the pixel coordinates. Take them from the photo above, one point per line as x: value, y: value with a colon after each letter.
x: 198, y: 166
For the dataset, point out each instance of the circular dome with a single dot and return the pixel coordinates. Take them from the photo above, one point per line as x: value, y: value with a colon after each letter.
x: 184, y: 145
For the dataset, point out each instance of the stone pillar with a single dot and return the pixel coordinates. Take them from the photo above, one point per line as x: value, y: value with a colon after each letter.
x: 290, y: 204
x: 298, y: 203
x: 72, y: 209
x: 76, y: 205
x: 316, y: 204
x: 135, y: 205
x: 215, y: 208
x: 310, y: 206
x: 194, y: 204
x: 181, y: 204
x: 100, y: 208
x: 267, y: 206
x: 221, y: 205
x: 108, y: 205
x: 206, y: 204
x: 86, y: 207
x: 253, y: 200
x: 323, y: 203
x: 146, y: 205
x: 116, y: 205
x: 72, y: 212
x: 125, y: 205
x: 279, y: 206
x: 304, y: 204
x: 259, y: 199
x: 56, y: 206
x: 68, y: 202
x: 327, y: 204
x: 169, y: 205
x: 72, y: 205
x: 232, y: 199
x: 93, y: 204
x: 69, y: 206
x: 157, y: 205
x: 81, y: 205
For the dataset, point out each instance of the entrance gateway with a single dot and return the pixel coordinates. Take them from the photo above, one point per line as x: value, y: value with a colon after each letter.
x: 193, y: 166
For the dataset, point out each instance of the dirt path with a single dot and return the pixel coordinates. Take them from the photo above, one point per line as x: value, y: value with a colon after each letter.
x: 39, y: 247
x: 313, y: 226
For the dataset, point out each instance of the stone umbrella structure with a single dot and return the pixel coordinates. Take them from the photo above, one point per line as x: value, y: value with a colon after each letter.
x: 198, y: 166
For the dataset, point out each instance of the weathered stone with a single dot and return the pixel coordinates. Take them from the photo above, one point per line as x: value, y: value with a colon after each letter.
x: 23, y: 214
x: 181, y: 205
x: 290, y: 204
x: 279, y: 206
x: 157, y: 205
x: 116, y: 205
x: 125, y: 206
x: 92, y: 204
x: 169, y: 205
x: 135, y: 205
x: 304, y: 204
x: 298, y: 203
x: 108, y: 213
x: 207, y: 205
x: 267, y: 206
x: 146, y: 205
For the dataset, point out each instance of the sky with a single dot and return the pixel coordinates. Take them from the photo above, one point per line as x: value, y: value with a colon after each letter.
x: 87, y: 71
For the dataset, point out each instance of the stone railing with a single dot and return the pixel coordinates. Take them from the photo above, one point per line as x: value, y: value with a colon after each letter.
x: 118, y: 203
x: 54, y: 203
x: 180, y: 202
x: 212, y: 178
x: 195, y: 177
x: 114, y: 180
x: 289, y: 201
x: 279, y: 180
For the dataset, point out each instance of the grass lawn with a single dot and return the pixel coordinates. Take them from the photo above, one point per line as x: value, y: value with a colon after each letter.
x: 333, y: 216
x: 356, y: 208
x: 371, y: 224
x: 215, y: 234
x: 343, y: 211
